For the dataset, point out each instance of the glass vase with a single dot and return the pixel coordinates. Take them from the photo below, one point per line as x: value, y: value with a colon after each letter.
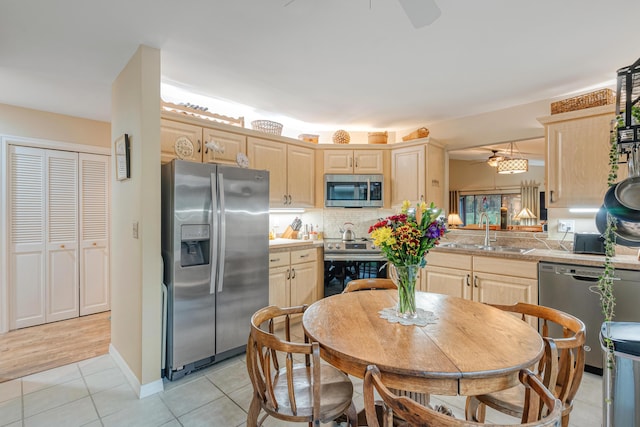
x: 405, y: 278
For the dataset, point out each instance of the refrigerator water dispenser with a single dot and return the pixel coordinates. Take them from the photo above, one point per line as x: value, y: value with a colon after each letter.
x: 194, y: 246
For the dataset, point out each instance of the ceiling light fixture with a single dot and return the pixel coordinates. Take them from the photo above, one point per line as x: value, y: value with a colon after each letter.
x: 512, y: 165
x: 494, y: 159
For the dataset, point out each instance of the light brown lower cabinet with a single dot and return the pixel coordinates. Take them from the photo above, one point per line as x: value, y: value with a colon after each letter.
x: 293, y: 277
x: 485, y: 279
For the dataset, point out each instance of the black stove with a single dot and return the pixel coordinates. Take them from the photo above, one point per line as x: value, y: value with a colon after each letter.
x: 346, y: 260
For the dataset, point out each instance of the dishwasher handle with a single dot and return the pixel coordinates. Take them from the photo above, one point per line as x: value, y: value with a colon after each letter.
x: 582, y: 278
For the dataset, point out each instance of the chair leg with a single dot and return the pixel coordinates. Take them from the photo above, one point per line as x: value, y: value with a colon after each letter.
x: 352, y: 416
x: 254, y: 411
x: 474, y: 410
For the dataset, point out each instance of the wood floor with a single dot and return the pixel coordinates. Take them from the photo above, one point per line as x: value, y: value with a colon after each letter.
x: 39, y: 348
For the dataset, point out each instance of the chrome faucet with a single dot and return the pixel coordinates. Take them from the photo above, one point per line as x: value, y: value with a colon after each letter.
x: 486, y: 230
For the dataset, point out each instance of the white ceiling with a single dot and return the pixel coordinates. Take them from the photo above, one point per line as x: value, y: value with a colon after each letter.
x: 354, y: 63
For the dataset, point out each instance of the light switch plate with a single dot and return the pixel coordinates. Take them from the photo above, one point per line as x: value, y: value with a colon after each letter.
x: 135, y: 229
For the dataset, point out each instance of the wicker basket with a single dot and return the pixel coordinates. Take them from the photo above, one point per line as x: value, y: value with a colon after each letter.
x: 378, y: 137
x: 588, y: 100
x: 267, y: 126
x: 420, y: 133
x: 341, y: 137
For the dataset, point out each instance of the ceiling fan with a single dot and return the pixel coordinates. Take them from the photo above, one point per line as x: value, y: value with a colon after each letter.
x: 494, y: 158
x: 420, y: 12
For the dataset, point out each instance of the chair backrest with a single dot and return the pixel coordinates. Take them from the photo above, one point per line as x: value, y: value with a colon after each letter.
x: 570, y: 347
x: 415, y: 414
x: 367, y: 284
x: 266, y: 352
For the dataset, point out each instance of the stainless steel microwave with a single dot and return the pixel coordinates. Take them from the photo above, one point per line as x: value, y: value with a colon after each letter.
x: 353, y: 191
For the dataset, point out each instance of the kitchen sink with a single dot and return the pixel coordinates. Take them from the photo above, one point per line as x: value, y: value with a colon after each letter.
x: 510, y: 249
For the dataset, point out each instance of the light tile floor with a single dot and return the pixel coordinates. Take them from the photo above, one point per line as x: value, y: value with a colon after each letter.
x: 94, y: 392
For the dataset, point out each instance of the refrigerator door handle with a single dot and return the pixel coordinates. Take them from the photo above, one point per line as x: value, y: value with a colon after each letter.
x: 222, y: 233
x: 214, y: 232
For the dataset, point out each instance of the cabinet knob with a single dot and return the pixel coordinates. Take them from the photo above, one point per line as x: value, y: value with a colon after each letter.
x: 468, y: 282
x: 293, y: 273
x: 61, y: 246
x: 95, y: 244
x: 475, y: 281
x: 199, y: 146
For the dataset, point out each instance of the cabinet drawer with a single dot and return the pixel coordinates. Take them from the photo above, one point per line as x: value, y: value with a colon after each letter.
x: 303, y: 255
x: 279, y: 259
x: 458, y: 261
x: 506, y: 267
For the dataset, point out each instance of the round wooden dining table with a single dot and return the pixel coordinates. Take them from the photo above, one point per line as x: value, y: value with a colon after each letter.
x: 471, y: 349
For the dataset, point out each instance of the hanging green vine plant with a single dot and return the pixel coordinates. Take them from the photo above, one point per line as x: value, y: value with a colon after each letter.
x: 606, y: 280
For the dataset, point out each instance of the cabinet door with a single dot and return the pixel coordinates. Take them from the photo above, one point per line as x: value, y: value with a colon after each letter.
x: 435, y: 176
x: 368, y: 161
x: 407, y: 175
x: 27, y: 233
x: 577, y: 161
x: 271, y: 156
x: 448, y: 281
x: 226, y: 146
x: 62, y: 285
x: 338, y: 161
x: 279, y: 282
x: 303, y: 283
x: 301, y: 176
x: 180, y: 140
x: 94, y: 234
x: 500, y: 289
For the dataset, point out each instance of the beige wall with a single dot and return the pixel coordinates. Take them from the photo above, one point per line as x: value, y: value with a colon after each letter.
x: 136, y: 263
x: 467, y: 175
x: 26, y: 123
x: 504, y: 125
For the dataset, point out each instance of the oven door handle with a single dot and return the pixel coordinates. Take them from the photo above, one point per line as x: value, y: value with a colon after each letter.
x: 353, y: 257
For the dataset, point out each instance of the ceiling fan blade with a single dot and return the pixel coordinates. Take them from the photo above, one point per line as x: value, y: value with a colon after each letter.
x: 421, y: 12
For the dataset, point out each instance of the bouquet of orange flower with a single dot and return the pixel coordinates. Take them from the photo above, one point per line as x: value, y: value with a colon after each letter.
x: 407, y: 237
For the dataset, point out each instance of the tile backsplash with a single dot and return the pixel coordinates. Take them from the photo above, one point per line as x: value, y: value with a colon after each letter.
x: 330, y: 220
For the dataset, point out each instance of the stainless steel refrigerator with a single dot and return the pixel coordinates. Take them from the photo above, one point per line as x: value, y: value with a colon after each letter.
x: 215, y: 221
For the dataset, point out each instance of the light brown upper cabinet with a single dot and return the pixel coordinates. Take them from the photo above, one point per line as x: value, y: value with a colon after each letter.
x: 189, y: 142
x: 291, y: 171
x: 417, y: 173
x: 577, y: 157
x: 353, y: 161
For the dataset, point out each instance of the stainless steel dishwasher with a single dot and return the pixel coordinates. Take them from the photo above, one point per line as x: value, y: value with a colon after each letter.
x: 567, y: 287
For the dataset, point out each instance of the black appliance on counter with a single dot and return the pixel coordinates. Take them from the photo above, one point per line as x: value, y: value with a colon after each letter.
x: 346, y: 260
x: 588, y: 243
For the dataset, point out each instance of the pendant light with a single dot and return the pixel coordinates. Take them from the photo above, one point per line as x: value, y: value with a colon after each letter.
x: 512, y: 165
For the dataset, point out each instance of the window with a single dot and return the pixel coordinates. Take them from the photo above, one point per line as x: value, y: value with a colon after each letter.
x: 472, y: 205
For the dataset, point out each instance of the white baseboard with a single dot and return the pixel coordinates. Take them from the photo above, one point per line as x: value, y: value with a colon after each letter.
x: 142, y: 390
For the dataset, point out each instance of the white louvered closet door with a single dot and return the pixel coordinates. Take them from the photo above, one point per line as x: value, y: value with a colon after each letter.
x: 94, y: 234
x: 27, y: 231
x: 62, y: 235
x: 43, y: 229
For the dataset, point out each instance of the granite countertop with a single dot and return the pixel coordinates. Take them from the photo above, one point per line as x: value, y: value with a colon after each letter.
x: 629, y: 262
x: 280, y: 243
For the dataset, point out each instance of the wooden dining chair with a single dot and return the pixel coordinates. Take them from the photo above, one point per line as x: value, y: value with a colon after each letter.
x: 367, y: 284
x: 560, y: 373
x: 289, y: 381
x: 542, y: 409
